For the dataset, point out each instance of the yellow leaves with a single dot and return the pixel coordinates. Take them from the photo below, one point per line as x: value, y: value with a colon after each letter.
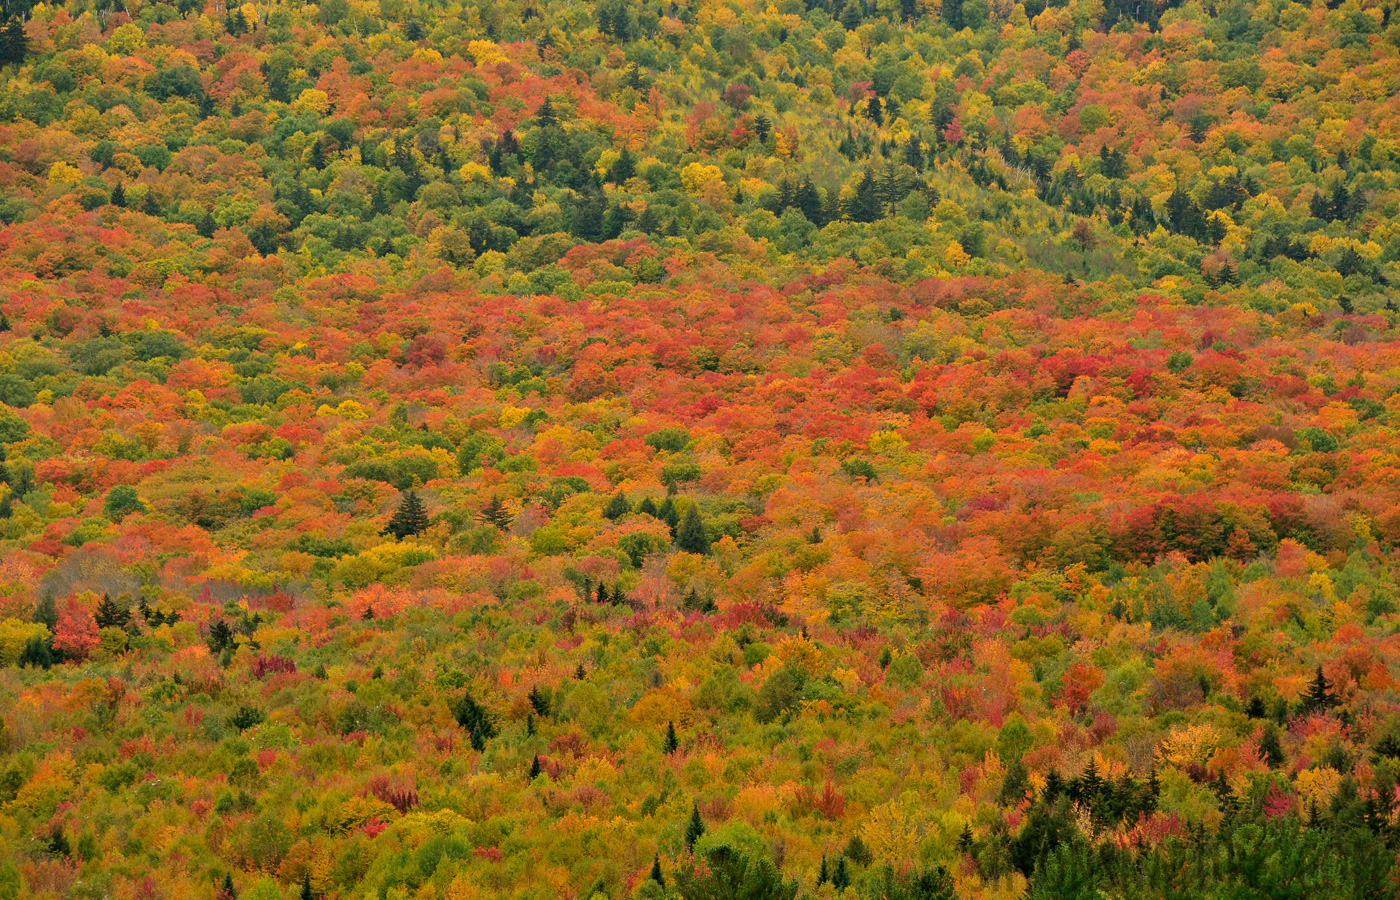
x: 126, y: 40
x: 798, y: 652
x: 486, y: 52
x: 887, y: 442
x: 348, y: 409
x: 1318, y: 786
x: 353, y: 812
x: 428, y: 54
x: 62, y: 173
x: 894, y: 830
x: 955, y: 256
x: 696, y: 177
x: 14, y: 635
x: 1193, y: 744
x: 475, y: 171
x: 512, y: 416
x: 313, y: 101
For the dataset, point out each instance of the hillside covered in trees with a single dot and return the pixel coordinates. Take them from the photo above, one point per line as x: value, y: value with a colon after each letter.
x: 680, y: 450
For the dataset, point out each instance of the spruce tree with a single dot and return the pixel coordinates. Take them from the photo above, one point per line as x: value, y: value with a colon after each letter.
x: 538, y: 701
x: 671, y: 744
x: 410, y: 518
x: 227, y: 892
x: 1319, y: 694
x: 306, y: 889
x: 617, y: 507
x: 695, y: 828
x: 822, y: 875
x: 535, y: 767
x: 118, y: 197
x: 656, y: 875
x: 110, y: 615
x: 690, y: 536
x: 495, y: 513
x: 841, y: 878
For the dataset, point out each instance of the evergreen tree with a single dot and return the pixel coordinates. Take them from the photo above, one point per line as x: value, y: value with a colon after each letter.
x: 110, y: 615
x: 695, y: 828
x: 220, y: 636
x: 14, y: 45
x: 37, y: 654
x: 667, y: 513
x: 841, y: 878
x: 118, y: 197
x: 306, y: 889
x: 227, y: 892
x: 409, y: 519
x: 535, y: 767
x: 671, y: 744
x: 477, y: 720
x: 1270, y: 748
x: 579, y: 673
x: 538, y: 701
x: 1319, y: 695
x: 864, y: 205
x: 495, y: 513
x: 617, y: 507
x: 656, y: 875
x: 822, y: 875
x: 690, y: 536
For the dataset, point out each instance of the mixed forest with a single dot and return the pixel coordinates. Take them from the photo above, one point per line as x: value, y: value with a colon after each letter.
x: 699, y: 449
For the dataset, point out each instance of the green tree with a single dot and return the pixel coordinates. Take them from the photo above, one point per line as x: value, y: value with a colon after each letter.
x: 670, y: 744
x: 410, y: 518
x: 617, y: 507
x: 121, y: 502
x: 1319, y: 694
x: 690, y: 536
x: 729, y: 874
x: 695, y: 828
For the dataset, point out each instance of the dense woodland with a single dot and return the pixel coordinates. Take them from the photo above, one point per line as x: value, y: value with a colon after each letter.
x: 562, y: 449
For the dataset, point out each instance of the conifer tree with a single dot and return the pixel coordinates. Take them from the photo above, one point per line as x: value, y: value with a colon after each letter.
x: 617, y: 507
x: 841, y: 878
x: 822, y: 875
x: 1319, y: 694
x: 656, y: 875
x: 495, y: 513
x: 535, y: 767
x: 410, y: 518
x: 671, y: 744
x: 690, y: 536
x: 695, y: 828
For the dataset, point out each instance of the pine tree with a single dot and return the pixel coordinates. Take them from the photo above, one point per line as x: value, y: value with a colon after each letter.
x: 617, y: 507
x: 690, y: 536
x: 206, y: 226
x: 535, y: 767
x: 109, y: 615
x: 841, y: 878
x: 1319, y: 694
x: 118, y: 197
x: 306, y: 889
x: 1270, y: 748
x: 530, y: 725
x: 656, y: 875
x: 695, y: 828
x: 227, y: 892
x: 539, y: 701
x: 865, y: 203
x: 495, y: 513
x: 667, y: 513
x: 579, y: 673
x: 671, y: 744
x: 14, y: 44
x: 822, y: 875
x: 410, y: 518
